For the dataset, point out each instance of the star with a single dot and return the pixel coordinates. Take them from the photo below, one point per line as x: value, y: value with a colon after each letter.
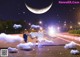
x: 59, y: 21
x: 70, y: 10
x: 64, y: 22
x: 70, y: 22
x: 73, y: 8
x: 57, y: 15
x: 18, y: 13
x: 60, y: 53
x: 23, y: 12
x: 24, y: 20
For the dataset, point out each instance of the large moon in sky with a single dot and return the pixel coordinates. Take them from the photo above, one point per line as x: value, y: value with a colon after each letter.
x: 38, y: 11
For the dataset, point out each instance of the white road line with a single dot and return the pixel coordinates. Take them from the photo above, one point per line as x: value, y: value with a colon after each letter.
x: 68, y: 40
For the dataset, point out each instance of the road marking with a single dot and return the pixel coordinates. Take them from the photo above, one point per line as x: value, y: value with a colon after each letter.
x: 67, y: 40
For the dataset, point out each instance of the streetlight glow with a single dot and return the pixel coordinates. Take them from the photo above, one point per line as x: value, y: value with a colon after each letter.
x: 40, y: 22
x: 51, y: 31
x: 29, y: 23
x: 78, y: 23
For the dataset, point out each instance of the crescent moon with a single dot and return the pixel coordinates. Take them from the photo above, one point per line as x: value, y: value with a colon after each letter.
x: 38, y: 11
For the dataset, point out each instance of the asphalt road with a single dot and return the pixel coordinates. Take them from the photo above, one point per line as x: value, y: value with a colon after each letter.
x: 55, y: 50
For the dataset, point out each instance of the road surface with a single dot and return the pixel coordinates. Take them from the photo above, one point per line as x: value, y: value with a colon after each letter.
x: 56, y: 50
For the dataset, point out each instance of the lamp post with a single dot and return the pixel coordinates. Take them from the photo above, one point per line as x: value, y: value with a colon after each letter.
x: 29, y: 23
x: 40, y: 22
x: 79, y: 23
x: 71, y: 26
x: 58, y: 28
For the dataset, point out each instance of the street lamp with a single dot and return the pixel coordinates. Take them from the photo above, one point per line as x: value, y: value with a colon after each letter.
x: 29, y: 23
x: 64, y: 24
x: 78, y: 23
x: 51, y: 31
x: 58, y: 28
x: 40, y: 22
x: 41, y: 28
x: 71, y: 27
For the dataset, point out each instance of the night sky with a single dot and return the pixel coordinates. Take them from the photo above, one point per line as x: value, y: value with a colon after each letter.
x: 16, y: 9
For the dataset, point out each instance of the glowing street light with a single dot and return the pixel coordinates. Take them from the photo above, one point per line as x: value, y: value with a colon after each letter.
x: 71, y: 27
x: 78, y: 23
x: 51, y: 31
x: 58, y: 28
x: 40, y: 22
x: 64, y: 24
x: 41, y: 28
x: 29, y: 23
x: 25, y: 29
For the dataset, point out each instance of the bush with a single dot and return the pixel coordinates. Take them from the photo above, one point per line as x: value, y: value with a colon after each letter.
x: 74, y: 31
